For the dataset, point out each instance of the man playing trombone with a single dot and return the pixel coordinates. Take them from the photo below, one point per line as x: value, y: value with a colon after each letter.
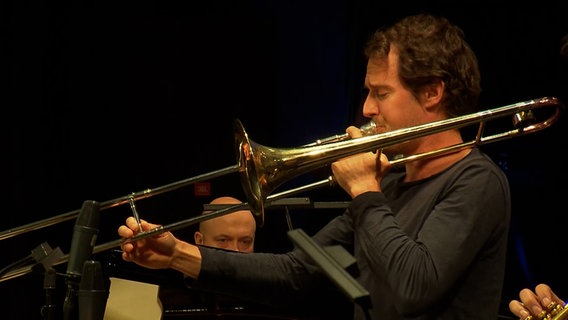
x: 430, y: 240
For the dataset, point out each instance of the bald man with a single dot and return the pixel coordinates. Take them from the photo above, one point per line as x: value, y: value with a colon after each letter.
x: 233, y: 231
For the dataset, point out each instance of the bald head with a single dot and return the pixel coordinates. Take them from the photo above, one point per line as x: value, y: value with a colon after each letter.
x: 233, y: 231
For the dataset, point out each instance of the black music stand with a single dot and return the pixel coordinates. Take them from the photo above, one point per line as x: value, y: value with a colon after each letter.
x: 334, y: 261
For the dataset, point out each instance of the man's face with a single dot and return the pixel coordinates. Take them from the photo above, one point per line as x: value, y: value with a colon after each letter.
x: 389, y: 103
x: 234, y: 231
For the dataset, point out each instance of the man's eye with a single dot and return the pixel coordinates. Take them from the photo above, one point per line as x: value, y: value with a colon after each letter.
x: 380, y: 95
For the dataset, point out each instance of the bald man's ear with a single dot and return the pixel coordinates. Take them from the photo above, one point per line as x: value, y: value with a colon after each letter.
x: 198, y: 237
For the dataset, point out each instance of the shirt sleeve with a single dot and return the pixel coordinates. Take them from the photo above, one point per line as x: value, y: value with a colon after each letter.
x: 289, y: 280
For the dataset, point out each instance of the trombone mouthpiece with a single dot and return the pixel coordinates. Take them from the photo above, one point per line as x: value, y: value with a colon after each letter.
x: 368, y: 128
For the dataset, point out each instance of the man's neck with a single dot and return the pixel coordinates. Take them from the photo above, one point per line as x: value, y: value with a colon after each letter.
x: 427, y: 167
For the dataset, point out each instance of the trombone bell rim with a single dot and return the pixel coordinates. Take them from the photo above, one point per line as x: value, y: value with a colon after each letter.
x: 249, y: 173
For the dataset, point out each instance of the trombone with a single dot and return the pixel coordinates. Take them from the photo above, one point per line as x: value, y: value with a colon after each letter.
x: 262, y: 169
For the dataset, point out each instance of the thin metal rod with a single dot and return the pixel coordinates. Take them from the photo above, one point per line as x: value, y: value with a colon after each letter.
x: 118, y: 201
x: 197, y: 219
x: 135, y: 211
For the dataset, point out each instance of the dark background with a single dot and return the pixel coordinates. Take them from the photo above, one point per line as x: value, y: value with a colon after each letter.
x: 107, y: 98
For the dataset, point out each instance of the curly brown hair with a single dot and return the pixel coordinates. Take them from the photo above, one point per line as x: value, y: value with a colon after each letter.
x: 432, y: 49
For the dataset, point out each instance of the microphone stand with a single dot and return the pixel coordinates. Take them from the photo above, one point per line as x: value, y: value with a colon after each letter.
x: 42, y: 257
x: 49, y: 310
x: 69, y: 310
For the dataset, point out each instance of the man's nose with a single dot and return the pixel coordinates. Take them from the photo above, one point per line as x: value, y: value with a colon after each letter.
x: 234, y: 245
x: 370, y: 107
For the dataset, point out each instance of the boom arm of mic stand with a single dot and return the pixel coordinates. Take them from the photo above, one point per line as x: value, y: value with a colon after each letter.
x: 43, y: 257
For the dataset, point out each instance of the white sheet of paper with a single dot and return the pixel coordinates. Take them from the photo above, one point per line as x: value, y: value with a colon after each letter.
x: 134, y: 300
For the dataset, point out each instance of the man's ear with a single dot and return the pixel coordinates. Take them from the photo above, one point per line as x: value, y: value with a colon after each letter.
x: 433, y: 93
x: 198, y: 237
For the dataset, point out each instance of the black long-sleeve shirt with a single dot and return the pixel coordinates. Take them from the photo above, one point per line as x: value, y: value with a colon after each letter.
x: 428, y: 249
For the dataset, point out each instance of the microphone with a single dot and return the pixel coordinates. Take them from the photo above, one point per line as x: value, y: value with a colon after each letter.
x: 85, y: 235
x: 92, y: 292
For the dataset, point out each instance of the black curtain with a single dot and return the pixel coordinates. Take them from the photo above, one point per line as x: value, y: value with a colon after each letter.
x: 105, y: 99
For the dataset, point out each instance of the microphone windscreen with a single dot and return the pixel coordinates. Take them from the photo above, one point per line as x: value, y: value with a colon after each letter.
x: 85, y: 234
x: 93, y: 277
x: 92, y: 292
